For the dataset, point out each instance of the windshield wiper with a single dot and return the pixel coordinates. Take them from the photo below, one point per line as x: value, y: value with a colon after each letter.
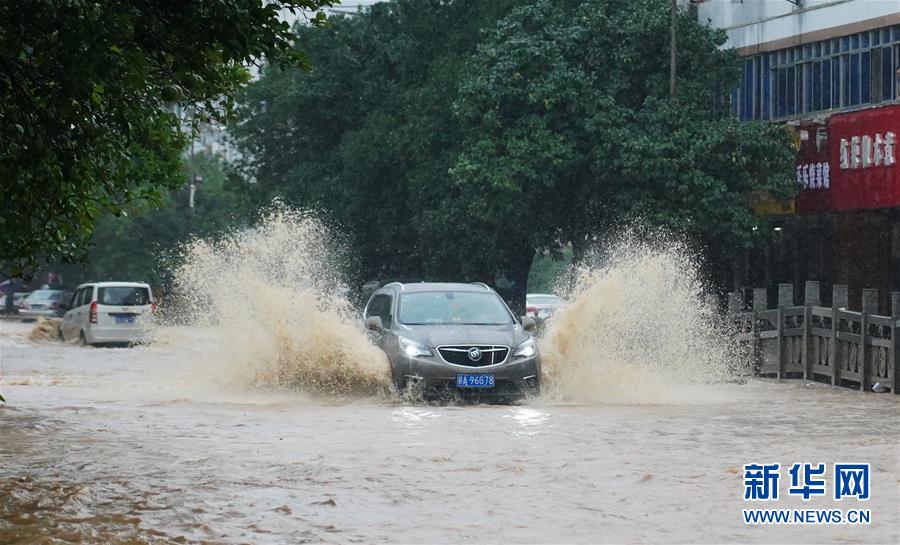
x: 454, y: 323
x: 485, y: 323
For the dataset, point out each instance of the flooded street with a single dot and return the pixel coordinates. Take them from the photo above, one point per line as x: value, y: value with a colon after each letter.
x: 450, y: 272
x: 129, y: 446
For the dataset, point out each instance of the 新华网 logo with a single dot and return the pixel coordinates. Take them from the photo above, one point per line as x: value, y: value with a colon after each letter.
x: 762, y: 483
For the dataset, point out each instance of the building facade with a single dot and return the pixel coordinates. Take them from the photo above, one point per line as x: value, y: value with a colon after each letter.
x: 831, y: 70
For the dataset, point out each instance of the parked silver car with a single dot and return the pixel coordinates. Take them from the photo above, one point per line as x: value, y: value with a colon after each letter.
x: 542, y: 306
x: 44, y: 304
x: 447, y: 340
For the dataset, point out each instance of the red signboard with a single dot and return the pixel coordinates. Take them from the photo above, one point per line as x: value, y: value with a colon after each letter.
x: 852, y: 163
x: 814, y: 171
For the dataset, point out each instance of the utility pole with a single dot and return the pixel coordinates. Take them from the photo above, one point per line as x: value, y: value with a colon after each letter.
x: 192, y: 186
x: 196, y: 179
x: 673, y: 25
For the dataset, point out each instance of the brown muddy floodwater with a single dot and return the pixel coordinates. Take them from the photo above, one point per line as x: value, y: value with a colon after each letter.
x: 131, y: 446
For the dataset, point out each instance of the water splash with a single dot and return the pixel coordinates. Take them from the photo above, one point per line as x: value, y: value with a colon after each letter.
x: 636, y: 330
x: 45, y: 330
x: 276, y: 310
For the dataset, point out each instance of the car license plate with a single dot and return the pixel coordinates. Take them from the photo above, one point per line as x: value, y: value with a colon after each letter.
x: 124, y: 319
x: 481, y: 380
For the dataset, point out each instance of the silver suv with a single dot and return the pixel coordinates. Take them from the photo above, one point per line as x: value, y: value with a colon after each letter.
x: 447, y: 340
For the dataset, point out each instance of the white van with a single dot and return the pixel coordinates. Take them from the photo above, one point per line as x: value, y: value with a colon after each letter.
x: 109, y: 312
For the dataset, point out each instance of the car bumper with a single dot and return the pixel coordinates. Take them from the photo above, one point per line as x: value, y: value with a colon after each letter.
x: 34, y: 314
x: 515, y: 377
x: 102, y: 335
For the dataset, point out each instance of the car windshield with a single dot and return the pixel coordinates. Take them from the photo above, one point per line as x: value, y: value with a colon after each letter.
x: 124, y: 296
x: 44, y: 295
x: 452, y: 308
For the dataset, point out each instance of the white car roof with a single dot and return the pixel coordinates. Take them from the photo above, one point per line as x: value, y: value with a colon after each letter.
x: 115, y: 284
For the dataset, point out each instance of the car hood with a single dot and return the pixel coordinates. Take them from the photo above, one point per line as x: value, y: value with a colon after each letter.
x: 439, y: 335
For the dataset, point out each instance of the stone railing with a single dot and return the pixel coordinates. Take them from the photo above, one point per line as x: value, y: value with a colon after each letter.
x: 858, y: 349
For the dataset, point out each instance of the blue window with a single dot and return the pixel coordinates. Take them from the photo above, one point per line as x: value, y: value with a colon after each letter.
x: 773, y: 106
x: 747, y: 91
x: 835, y: 82
x: 816, y: 87
x: 865, y: 77
x: 807, y: 87
x: 896, y: 55
x: 845, y: 80
x: 782, y: 92
x: 791, y: 92
x: 886, y: 73
x: 757, y: 84
x: 766, y: 93
x: 814, y: 77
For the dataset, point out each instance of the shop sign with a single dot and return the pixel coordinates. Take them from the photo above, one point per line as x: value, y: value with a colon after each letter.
x: 862, y: 149
x: 866, y: 151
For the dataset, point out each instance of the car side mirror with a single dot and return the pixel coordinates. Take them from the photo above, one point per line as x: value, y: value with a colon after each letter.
x: 528, y: 323
x: 373, y: 323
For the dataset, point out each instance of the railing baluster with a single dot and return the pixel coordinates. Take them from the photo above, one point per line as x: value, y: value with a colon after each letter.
x: 869, y: 307
x: 810, y: 299
x: 894, y: 360
x: 839, y: 300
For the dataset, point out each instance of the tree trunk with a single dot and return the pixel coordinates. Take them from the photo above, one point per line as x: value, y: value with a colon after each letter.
x: 521, y: 266
x: 673, y: 26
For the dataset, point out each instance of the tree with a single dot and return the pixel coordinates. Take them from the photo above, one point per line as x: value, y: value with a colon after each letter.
x: 89, y: 95
x: 141, y: 243
x: 367, y: 136
x: 570, y: 121
x: 453, y: 140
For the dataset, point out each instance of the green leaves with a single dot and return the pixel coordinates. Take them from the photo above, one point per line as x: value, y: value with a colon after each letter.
x: 574, y: 112
x: 453, y: 139
x: 88, y: 110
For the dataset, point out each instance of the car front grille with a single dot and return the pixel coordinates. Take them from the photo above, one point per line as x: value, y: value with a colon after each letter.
x: 459, y: 354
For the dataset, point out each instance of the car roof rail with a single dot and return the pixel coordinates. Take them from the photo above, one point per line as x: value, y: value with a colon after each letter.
x: 482, y: 284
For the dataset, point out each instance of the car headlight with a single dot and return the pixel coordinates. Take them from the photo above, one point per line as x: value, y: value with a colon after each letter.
x: 526, y: 349
x: 412, y: 348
